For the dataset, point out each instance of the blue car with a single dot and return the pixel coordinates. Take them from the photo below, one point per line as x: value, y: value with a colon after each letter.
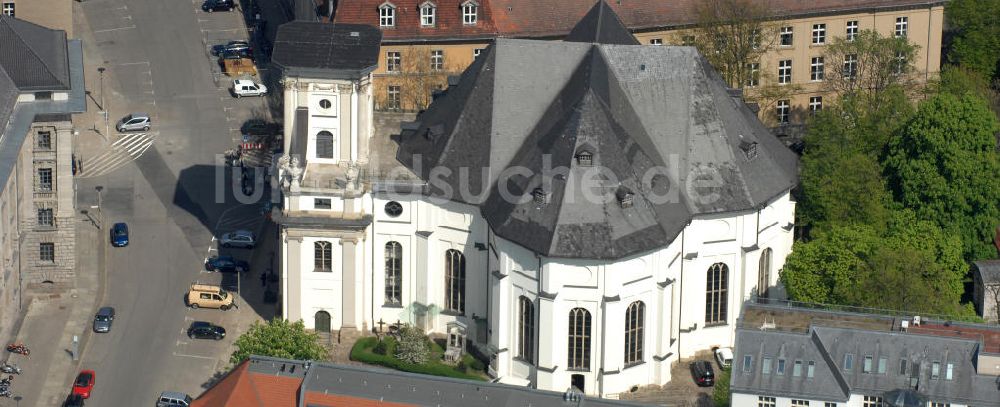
x: 119, y: 235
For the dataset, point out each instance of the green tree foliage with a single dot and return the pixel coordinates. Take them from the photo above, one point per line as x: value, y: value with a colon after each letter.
x: 413, y: 346
x: 975, y: 35
x: 827, y: 268
x: 944, y: 166
x: 720, y: 394
x: 278, y: 338
x: 878, y: 64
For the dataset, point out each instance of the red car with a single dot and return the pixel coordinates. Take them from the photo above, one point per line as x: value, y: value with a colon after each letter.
x: 84, y: 383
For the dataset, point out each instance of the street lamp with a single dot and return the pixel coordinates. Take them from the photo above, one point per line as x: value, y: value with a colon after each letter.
x: 104, y: 110
x: 18, y: 400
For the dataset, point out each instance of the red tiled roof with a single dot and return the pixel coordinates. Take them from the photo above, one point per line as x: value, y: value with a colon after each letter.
x: 448, y: 15
x: 338, y: 400
x: 990, y: 338
x: 241, y: 388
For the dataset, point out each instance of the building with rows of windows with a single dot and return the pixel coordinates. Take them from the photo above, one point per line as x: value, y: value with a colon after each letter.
x: 787, y: 356
x: 585, y: 212
x: 422, y: 37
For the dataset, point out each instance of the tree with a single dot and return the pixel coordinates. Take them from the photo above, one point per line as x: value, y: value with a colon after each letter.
x: 944, y: 165
x: 278, y: 338
x: 975, y: 35
x: 720, y: 394
x: 421, y: 72
x: 868, y: 65
x: 732, y: 34
x: 413, y: 346
x: 826, y: 269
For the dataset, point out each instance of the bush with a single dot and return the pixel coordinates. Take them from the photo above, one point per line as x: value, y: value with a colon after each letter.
x: 362, y: 352
x: 478, y: 365
x: 720, y: 394
x: 381, y: 348
x: 413, y: 346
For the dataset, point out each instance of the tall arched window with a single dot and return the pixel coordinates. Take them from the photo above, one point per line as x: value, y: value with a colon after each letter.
x: 716, y: 305
x: 526, y: 330
x: 324, y: 144
x: 323, y: 256
x: 635, y: 321
x: 393, y: 273
x: 454, y: 263
x: 764, y: 272
x: 578, y: 352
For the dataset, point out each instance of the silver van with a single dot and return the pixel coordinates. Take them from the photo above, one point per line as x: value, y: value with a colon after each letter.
x: 173, y: 399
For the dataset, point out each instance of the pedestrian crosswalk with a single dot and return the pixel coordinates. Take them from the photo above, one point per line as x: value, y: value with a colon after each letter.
x: 126, y: 149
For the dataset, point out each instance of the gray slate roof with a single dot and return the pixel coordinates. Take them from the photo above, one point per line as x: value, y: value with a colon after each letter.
x: 336, y: 51
x: 827, y: 346
x: 601, y: 25
x: 989, y: 270
x: 34, y: 57
x: 635, y: 108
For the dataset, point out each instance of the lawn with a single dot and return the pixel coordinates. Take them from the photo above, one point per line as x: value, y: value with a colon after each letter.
x: 363, y: 351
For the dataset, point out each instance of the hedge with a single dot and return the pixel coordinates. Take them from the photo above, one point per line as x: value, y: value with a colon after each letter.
x: 362, y: 352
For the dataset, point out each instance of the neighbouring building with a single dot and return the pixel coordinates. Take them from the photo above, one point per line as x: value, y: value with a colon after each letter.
x: 986, y: 289
x: 54, y: 14
x: 41, y: 86
x: 270, y: 382
x: 424, y: 40
x: 788, y: 356
x: 667, y: 204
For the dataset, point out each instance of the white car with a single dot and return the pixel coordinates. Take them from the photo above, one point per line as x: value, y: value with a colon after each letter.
x: 240, y: 238
x: 246, y: 87
x: 724, y: 356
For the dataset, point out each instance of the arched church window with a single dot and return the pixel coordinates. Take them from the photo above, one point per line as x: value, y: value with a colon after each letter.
x: 578, y: 351
x: 454, y: 263
x: 716, y: 306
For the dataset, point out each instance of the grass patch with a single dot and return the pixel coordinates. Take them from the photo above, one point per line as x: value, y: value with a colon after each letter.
x: 362, y: 351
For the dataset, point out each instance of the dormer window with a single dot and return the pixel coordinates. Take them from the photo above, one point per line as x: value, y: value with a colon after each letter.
x: 387, y: 15
x: 470, y: 13
x: 428, y: 14
x: 625, y: 197
x: 540, y: 196
x: 749, y: 149
x: 585, y: 158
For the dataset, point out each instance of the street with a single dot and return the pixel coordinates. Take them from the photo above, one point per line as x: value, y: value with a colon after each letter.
x: 163, y: 183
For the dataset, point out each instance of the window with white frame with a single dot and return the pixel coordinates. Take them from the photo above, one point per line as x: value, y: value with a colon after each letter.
x: 800, y: 403
x: 437, y: 60
x: 810, y: 369
x: 393, y: 98
x: 322, y: 256
x: 716, y: 298
x: 882, y: 364
x: 901, y: 26
x: 454, y: 281
x: 829, y: 404
x: 867, y: 366
x: 526, y: 330
x: 763, y: 401
x: 780, y: 369
x: 785, y: 71
x: 753, y: 74
x: 578, y: 351
x: 783, y: 110
x: 949, y: 371
x: 815, y: 104
x: 848, y: 361
x: 850, y: 66
x: 765, y: 365
x: 393, y: 273
x: 635, y: 319
x: 797, y: 369
x: 428, y: 14
x: 476, y: 52
x: 393, y: 61
x: 46, y: 218
x: 8, y: 9
x: 786, y: 35
x: 816, y: 69
x: 45, y: 180
x: 899, y: 67
x: 43, y: 140
x: 747, y: 363
x: 656, y: 41
x: 935, y: 370
x: 819, y: 34
x: 872, y: 401
x: 470, y: 13
x: 852, y: 30
x: 387, y: 15
x: 936, y: 404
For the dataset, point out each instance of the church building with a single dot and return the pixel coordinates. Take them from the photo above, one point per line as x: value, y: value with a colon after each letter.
x: 586, y: 212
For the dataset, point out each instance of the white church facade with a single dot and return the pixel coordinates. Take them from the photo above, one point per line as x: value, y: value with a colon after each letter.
x: 591, y: 211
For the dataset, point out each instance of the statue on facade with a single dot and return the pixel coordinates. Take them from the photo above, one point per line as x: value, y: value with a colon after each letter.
x: 295, y: 174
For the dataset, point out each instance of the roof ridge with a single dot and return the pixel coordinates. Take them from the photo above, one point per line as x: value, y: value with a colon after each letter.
x: 841, y: 380
x: 38, y: 58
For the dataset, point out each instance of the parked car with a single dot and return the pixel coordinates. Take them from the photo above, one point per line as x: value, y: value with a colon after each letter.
x: 206, y: 330
x: 209, y: 296
x: 239, y: 47
x: 73, y: 400
x: 246, y: 87
x: 84, y: 383
x: 226, y: 264
x: 240, y: 238
x: 258, y: 127
x: 702, y: 372
x: 724, y: 356
x: 173, y: 399
x: 119, y: 234
x: 102, y: 321
x: 134, y: 122
x: 218, y: 5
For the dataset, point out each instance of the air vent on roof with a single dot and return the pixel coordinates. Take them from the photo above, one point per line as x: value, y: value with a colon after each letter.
x: 642, y: 67
x: 585, y: 158
x: 749, y: 149
x: 540, y: 196
x: 625, y: 197
x: 355, y: 34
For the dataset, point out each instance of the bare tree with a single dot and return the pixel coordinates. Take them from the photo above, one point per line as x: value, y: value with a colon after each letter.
x: 420, y: 73
x: 868, y: 65
x: 733, y: 34
x: 993, y: 289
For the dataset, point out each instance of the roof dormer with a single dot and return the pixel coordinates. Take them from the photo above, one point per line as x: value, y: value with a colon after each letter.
x: 584, y: 155
x: 540, y: 196
x: 387, y: 15
x: 428, y: 14
x: 470, y: 12
x: 625, y: 197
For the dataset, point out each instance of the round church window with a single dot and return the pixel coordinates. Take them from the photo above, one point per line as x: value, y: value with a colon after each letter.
x: 393, y: 209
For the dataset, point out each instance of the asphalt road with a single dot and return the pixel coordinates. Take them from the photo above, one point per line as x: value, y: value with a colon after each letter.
x: 155, y: 55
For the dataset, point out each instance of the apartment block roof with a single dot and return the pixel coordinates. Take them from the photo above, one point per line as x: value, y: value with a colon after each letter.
x: 555, y: 18
x: 861, y: 354
x: 326, y: 50
x: 652, y: 121
x: 273, y: 382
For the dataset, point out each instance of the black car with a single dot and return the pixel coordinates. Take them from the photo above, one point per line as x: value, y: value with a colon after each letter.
x: 74, y: 400
x: 226, y: 264
x: 206, y: 330
x: 702, y: 372
x: 257, y: 127
x: 238, y: 47
x: 218, y: 5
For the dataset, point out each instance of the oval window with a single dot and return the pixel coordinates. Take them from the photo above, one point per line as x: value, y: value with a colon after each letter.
x: 325, y: 103
x: 393, y: 209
